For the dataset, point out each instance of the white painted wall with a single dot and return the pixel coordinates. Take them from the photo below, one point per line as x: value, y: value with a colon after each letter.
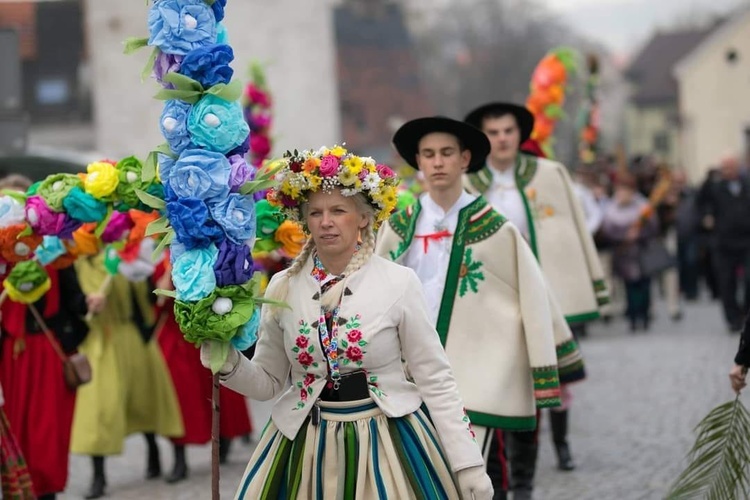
x: 294, y: 37
x: 715, y: 98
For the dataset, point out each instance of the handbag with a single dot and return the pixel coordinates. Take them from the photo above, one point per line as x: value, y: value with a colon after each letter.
x: 654, y: 258
x: 76, y: 368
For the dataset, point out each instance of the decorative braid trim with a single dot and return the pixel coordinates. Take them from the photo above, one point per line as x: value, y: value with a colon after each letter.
x: 570, y: 362
x: 546, y: 387
x: 484, y: 224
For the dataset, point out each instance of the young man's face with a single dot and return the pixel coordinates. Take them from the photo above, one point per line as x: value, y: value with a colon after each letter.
x: 442, y: 161
x: 505, y: 138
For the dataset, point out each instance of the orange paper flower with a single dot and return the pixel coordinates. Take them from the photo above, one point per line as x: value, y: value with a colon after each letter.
x: 85, y: 243
x: 292, y: 238
x: 15, y: 249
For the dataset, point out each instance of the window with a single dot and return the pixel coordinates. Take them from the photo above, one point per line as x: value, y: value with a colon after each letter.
x: 661, y: 142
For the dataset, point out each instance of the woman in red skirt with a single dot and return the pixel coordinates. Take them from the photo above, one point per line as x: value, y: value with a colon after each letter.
x: 193, y: 384
x: 38, y: 403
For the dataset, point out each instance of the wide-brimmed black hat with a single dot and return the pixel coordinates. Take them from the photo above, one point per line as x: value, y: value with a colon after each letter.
x: 406, y: 139
x: 523, y: 116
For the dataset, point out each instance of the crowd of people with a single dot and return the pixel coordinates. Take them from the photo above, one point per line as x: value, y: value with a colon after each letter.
x: 419, y: 346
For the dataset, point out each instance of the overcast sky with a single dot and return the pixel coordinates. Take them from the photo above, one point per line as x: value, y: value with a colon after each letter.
x: 623, y: 25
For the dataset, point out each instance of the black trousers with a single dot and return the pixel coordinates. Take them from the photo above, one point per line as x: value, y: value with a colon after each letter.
x: 727, y: 264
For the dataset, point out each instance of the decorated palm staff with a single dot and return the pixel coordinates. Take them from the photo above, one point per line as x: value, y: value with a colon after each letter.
x: 588, y: 116
x: 258, y: 114
x: 353, y: 319
x: 209, y: 211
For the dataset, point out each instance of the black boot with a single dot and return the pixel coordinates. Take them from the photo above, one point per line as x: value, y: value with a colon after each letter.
x: 224, y: 445
x: 559, y: 421
x: 523, y: 449
x: 180, y: 470
x: 99, y: 481
x: 154, y: 465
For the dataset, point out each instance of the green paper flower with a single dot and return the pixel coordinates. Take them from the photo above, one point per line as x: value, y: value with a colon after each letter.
x: 268, y: 218
x: 112, y: 260
x: 56, y: 187
x: 129, y: 170
x: 216, y: 317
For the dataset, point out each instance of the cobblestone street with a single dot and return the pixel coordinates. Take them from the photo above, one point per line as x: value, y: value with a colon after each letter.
x: 631, y: 420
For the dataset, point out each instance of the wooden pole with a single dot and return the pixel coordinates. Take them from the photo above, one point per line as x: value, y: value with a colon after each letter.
x: 215, y: 493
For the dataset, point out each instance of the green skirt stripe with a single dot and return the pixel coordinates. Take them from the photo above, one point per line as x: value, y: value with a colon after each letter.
x: 294, y: 469
x: 351, y: 448
x: 272, y: 488
x: 382, y: 492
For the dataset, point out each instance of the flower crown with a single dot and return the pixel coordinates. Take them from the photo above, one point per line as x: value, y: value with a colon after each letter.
x: 302, y: 173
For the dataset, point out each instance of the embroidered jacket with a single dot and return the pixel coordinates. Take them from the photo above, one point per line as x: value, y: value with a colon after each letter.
x: 496, y: 318
x: 382, y: 321
x: 557, y: 234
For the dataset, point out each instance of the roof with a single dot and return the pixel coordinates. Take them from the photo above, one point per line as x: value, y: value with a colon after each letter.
x: 651, y: 70
x: 740, y: 16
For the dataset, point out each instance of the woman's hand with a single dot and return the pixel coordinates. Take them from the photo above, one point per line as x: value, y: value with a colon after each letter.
x: 737, y: 377
x: 96, y: 302
x: 474, y: 483
x: 232, y: 358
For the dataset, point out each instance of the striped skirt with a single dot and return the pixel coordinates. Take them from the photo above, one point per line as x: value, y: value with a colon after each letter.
x: 355, y: 452
x: 15, y: 478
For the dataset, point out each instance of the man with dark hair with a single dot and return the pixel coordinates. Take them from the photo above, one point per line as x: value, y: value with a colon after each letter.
x: 537, y: 195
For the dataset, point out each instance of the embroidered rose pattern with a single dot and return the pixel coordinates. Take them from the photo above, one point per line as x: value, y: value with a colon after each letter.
x: 470, y: 274
x: 468, y: 426
x: 303, y: 350
x: 353, y: 345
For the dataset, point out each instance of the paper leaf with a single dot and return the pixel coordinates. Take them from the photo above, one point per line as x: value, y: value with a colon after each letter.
x: 182, y: 82
x: 132, y: 44
x: 229, y: 93
x: 150, y: 200
x: 165, y: 293
x: 165, y: 241
x: 188, y: 96
x: 148, y: 173
x: 18, y: 196
x: 149, y: 67
x: 103, y: 224
x: 251, y: 187
x: 159, y: 226
x: 219, y: 354
x: 27, y: 231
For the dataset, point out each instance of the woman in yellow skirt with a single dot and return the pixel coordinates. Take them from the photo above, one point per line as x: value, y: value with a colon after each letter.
x: 131, y: 390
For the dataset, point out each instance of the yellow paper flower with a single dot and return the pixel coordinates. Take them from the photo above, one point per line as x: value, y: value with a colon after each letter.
x: 102, y: 179
x: 30, y: 296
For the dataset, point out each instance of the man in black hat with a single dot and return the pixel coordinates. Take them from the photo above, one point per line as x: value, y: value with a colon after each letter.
x: 537, y: 195
x: 485, y: 291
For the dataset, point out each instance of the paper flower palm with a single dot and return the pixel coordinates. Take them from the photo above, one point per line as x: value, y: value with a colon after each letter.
x: 547, y: 94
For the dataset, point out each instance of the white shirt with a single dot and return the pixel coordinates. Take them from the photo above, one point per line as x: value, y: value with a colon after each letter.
x: 591, y: 209
x: 504, y: 196
x: 431, y: 266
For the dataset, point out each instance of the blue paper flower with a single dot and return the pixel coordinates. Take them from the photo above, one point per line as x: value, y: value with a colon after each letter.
x: 236, y: 216
x: 11, y: 212
x: 222, y: 35
x: 179, y: 26
x: 192, y: 224
x: 173, y: 125
x: 218, y: 8
x: 200, y: 174
x: 192, y: 273
x: 50, y: 249
x: 217, y: 125
x: 83, y: 207
x: 175, y: 250
x: 247, y: 335
x: 164, y: 164
x: 209, y: 65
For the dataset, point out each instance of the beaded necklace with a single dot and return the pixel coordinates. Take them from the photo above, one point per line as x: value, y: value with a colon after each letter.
x: 328, y: 322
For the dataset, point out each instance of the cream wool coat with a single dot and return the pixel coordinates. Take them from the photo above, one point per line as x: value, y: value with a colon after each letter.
x: 557, y: 234
x: 382, y: 320
x: 497, y: 319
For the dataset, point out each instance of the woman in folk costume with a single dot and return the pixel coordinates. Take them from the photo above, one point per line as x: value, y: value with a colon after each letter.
x: 486, y: 292
x: 536, y: 194
x: 38, y: 403
x: 351, y: 425
x: 131, y: 391
x: 193, y: 386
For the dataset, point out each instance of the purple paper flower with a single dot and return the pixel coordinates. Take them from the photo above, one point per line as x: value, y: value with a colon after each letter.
x: 69, y: 226
x: 241, y: 172
x: 116, y: 228
x: 42, y: 219
x: 166, y: 63
x: 234, y: 265
x: 242, y: 149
